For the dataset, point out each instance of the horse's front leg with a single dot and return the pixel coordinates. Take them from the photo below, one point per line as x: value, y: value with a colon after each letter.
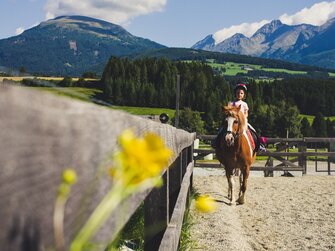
x: 243, y: 185
x: 241, y: 182
x: 231, y: 197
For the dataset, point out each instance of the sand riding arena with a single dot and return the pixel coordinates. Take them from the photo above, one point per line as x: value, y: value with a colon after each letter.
x: 280, y: 213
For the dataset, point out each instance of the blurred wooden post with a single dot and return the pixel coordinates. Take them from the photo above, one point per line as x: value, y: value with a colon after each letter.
x: 171, y: 238
x: 191, y: 159
x: 156, y: 215
x: 175, y: 178
x: 185, y: 160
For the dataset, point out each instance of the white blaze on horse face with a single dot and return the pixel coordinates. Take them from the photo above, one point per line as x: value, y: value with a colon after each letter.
x: 230, y: 121
x: 229, y: 136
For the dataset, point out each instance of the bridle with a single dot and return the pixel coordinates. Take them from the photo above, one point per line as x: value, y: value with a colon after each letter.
x: 237, y: 133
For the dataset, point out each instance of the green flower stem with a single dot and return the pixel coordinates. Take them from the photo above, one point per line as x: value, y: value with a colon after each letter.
x: 58, y: 220
x: 115, y: 196
x: 98, y: 217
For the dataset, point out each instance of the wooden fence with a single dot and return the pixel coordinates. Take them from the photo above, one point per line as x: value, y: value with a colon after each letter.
x: 42, y: 134
x: 288, y: 161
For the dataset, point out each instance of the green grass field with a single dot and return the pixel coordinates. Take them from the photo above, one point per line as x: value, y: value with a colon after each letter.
x: 86, y: 94
x: 284, y: 70
x: 233, y: 68
x: 145, y: 110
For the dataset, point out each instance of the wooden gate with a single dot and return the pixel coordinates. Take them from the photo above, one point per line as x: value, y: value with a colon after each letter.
x: 292, y: 154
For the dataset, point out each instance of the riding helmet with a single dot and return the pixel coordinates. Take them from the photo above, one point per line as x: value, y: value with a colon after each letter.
x: 241, y: 86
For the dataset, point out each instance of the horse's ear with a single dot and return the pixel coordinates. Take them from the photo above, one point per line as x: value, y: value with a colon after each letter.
x: 225, y: 109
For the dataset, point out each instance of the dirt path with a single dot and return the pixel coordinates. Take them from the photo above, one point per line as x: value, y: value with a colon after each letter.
x: 281, y: 213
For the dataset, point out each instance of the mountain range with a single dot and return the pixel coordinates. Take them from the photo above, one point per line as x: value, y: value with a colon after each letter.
x: 307, y: 44
x: 70, y: 44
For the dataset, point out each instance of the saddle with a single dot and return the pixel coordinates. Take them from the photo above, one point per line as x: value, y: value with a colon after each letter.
x: 254, y: 139
x: 219, y: 141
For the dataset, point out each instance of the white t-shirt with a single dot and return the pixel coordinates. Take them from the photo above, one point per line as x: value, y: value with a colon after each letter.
x: 244, y: 106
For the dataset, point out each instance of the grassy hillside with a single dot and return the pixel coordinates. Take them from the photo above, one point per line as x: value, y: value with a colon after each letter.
x: 232, y: 68
x: 88, y: 95
x: 310, y: 118
x: 84, y: 94
x: 145, y: 110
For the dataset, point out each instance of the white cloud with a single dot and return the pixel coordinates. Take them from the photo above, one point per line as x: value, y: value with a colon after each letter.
x: 115, y: 11
x: 247, y: 29
x: 318, y: 14
x: 19, y: 30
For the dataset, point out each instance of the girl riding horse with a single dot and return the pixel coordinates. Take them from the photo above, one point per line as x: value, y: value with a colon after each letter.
x: 236, y: 152
x: 240, y: 92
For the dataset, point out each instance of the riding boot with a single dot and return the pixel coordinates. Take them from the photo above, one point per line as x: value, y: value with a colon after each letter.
x: 262, y: 143
x: 262, y: 148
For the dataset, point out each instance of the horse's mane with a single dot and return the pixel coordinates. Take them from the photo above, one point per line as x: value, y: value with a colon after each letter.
x: 235, y: 111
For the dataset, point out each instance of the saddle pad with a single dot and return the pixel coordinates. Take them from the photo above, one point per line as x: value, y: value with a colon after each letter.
x: 253, y: 145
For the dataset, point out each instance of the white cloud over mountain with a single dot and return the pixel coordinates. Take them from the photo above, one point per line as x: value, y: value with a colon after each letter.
x: 19, y: 30
x: 317, y: 14
x: 115, y: 11
x: 246, y: 29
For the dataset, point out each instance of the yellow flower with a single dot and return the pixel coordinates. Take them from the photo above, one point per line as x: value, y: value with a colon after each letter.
x: 69, y: 176
x: 205, y: 204
x: 140, y: 158
x: 138, y: 165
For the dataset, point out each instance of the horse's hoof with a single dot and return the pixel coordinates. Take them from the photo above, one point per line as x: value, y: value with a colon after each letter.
x: 241, y: 201
x: 232, y: 203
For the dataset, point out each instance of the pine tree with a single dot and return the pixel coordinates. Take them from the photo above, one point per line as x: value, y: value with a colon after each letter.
x: 319, y: 126
x: 306, y: 129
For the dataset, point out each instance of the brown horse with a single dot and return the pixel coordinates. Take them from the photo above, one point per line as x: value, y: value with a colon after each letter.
x: 236, y: 151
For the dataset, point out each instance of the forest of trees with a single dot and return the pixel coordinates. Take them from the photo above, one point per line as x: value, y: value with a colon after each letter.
x: 179, y: 54
x: 274, y: 106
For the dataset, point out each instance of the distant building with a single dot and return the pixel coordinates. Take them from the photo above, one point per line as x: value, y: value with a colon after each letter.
x: 247, y: 68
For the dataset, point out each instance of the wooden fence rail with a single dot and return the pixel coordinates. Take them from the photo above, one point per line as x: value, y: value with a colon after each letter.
x: 281, y: 154
x: 42, y: 134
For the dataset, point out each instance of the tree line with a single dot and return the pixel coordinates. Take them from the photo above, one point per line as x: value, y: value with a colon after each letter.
x: 178, y: 54
x: 274, y: 106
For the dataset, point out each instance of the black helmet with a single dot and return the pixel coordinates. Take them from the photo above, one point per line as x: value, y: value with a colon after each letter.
x: 241, y: 86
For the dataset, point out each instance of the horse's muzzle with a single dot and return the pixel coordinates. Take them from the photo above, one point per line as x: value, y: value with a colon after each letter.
x: 229, y: 138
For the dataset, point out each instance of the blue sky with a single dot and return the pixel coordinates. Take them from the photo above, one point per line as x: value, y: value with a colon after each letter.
x: 174, y: 23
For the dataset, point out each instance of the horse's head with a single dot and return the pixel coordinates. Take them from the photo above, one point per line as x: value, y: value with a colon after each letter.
x: 235, y: 123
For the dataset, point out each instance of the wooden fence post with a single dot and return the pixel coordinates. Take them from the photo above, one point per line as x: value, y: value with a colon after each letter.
x: 175, y: 179
x: 184, y: 161
x: 191, y: 159
x: 302, y: 159
x: 156, y: 215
